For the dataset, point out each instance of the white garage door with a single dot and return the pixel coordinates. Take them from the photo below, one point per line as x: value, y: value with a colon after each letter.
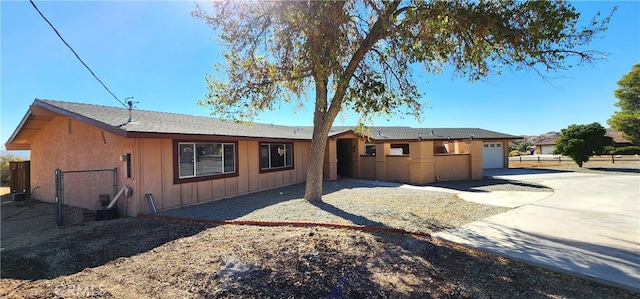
x: 492, y: 155
x: 547, y: 149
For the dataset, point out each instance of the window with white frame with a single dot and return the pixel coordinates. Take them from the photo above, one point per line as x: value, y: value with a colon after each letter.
x: 205, y: 159
x: 276, y: 156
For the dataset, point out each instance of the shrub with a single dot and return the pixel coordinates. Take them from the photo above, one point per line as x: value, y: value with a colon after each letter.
x: 514, y: 153
x: 627, y: 150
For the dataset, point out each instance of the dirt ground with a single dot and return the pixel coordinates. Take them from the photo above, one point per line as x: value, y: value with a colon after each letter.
x: 151, y: 258
x: 147, y: 258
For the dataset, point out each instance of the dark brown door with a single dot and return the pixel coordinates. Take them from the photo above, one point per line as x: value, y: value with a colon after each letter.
x: 344, y: 157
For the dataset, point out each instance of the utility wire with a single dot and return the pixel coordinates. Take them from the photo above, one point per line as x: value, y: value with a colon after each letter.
x: 74, y: 52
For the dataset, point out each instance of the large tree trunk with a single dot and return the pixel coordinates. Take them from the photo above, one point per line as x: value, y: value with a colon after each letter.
x: 322, y: 121
x: 313, y: 191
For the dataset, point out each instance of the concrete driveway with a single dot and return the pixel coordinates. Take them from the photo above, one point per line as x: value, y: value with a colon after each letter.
x: 589, y: 226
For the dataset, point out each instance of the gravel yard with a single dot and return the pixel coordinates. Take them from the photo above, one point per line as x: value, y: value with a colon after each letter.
x: 348, y: 202
x: 150, y: 258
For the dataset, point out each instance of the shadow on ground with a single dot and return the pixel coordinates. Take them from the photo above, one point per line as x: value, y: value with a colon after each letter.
x: 236, y: 207
x: 608, y: 169
x: 353, y: 218
x: 489, y: 184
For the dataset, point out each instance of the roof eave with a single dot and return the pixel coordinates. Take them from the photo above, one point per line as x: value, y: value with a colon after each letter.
x: 82, y: 118
x: 9, y: 144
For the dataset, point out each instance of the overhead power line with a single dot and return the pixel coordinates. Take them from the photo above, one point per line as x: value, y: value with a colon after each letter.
x: 74, y: 52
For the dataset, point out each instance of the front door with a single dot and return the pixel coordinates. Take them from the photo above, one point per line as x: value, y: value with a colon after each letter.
x: 344, y: 157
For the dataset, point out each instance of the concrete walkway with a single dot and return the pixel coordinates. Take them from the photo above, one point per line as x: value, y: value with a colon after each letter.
x: 589, y: 226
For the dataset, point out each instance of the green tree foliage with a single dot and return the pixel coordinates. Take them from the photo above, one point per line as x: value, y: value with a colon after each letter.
x: 627, y: 120
x: 581, y: 142
x: 523, y: 146
x: 627, y: 150
x: 5, y: 158
x: 360, y: 54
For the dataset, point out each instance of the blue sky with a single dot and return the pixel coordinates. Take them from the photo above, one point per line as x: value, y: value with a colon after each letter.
x: 158, y: 54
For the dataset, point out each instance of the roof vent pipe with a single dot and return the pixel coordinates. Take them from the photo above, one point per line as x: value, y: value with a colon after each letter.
x: 130, y: 103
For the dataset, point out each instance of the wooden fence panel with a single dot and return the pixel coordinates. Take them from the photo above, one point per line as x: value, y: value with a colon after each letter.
x: 20, y: 177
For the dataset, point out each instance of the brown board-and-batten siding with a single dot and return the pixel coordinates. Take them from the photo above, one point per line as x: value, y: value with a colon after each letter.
x: 158, y: 175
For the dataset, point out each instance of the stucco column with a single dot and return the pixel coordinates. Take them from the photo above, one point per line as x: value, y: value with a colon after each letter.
x: 421, y: 162
x: 382, y: 150
x: 355, y: 159
x: 475, y: 152
x: 330, y: 169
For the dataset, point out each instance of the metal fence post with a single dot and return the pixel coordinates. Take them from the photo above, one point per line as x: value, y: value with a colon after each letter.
x: 59, y: 195
x: 115, y: 181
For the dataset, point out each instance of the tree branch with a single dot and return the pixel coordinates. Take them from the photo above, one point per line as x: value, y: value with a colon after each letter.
x: 378, y: 31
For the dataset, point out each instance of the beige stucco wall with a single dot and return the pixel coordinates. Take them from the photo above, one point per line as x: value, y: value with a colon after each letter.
x: 157, y: 176
x: 368, y: 167
x: 423, y: 166
x: 398, y: 168
x: 72, y: 145
x: 421, y: 162
x: 452, y: 167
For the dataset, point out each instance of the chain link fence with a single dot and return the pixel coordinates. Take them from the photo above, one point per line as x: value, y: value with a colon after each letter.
x: 79, y: 193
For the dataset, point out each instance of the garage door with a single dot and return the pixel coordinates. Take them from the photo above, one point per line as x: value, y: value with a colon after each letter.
x: 547, y: 149
x: 492, y: 155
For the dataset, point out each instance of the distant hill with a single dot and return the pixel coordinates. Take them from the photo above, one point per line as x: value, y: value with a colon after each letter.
x: 533, y: 139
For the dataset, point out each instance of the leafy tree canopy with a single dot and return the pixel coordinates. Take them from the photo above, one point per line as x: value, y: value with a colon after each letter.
x: 359, y: 54
x: 627, y: 120
x: 581, y: 142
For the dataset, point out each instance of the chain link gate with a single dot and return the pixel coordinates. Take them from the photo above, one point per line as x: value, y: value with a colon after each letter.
x: 79, y: 192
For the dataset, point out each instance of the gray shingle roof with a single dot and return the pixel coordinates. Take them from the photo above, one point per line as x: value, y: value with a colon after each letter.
x: 143, y: 121
x: 408, y: 133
